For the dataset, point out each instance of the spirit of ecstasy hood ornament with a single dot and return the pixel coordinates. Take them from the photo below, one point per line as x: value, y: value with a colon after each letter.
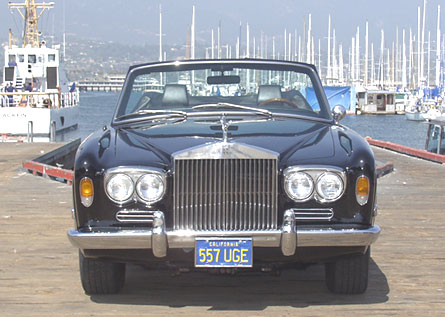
x: 225, y: 127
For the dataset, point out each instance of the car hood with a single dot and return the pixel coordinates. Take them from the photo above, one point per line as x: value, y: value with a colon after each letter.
x: 289, y: 138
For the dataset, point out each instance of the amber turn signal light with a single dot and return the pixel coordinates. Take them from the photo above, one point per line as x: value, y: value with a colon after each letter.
x: 86, y: 191
x: 362, y: 190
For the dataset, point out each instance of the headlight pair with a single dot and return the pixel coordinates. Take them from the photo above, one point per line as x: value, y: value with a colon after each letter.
x: 323, y: 184
x: 121, y: 185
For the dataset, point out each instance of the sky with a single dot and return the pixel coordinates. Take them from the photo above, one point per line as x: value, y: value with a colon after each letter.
x: 137, y: 21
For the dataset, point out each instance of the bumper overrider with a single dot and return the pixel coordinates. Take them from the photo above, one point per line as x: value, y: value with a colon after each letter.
x: 159, y: 240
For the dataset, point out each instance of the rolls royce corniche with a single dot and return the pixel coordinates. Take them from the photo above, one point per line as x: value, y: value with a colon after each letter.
x: 226, y: 166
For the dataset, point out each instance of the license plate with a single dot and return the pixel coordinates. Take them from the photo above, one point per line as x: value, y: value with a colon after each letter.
x: 223, y: 252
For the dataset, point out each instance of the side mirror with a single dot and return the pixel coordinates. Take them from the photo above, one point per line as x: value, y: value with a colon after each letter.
x: 338, y: 112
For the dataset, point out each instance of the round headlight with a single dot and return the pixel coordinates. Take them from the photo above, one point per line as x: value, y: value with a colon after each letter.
x: 120, y: 187
x: 330, y: 186
x: 299, y: 186
x: 150, y: 187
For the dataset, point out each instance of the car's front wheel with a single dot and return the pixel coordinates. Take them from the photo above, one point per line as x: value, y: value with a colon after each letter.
x: 101, y: 277
x: 348, y: 275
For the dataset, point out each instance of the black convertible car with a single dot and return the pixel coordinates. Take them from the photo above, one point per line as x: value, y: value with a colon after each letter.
x: 224, y: 166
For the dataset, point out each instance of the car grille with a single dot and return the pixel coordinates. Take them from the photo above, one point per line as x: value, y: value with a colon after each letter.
x: 225, y: 194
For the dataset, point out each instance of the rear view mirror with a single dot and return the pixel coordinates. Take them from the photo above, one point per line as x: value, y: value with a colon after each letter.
x: 221, y: 80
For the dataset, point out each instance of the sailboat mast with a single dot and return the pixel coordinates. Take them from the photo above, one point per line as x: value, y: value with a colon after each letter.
x: 393, y: 73
x: 418, y: 48
x: 309, y: 39
x: 328, y: 74
x: 429, y: 59
x: 372, y: 65
x: 193, y: 34
x: 422, y: 45
x: 285, y: 44
x: 357, y: 55
x: 340, y: 57
x: 365, y: 78
x: 219, y: 40
x: 382, y: 59
x: 403, y: 60
x: 213, y: 45
x: 396, y: 58
x: 353, y: 60
x: 411, y: 77
x: 247, y: 41
x: 160, y: 33
x: 437, y: 81
x: 334, y: 56
x: 289, y: 56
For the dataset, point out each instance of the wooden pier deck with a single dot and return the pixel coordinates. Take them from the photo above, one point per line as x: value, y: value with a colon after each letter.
x: 39, y: 269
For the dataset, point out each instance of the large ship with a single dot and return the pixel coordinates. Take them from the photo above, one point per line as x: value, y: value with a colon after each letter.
x: 35, y: 97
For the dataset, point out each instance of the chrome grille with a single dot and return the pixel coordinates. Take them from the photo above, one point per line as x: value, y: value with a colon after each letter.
x: 225, y: 194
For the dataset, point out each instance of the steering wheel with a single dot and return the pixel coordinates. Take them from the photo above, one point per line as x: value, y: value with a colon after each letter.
x: 265, y: 102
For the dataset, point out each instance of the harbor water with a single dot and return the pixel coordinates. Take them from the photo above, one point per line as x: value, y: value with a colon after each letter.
x: 97, y: 109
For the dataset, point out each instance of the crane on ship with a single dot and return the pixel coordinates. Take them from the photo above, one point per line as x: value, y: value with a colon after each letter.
x: 31, y: 12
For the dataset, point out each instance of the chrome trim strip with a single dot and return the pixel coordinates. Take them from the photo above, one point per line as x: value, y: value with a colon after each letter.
x: 224, y: 150
x: 337, y: 238
x: 134, y: 216
x: 313, y: 213
x: 142, y: 239
x: 128, y: 239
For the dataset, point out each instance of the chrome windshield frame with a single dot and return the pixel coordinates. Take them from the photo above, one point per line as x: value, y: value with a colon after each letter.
x: 190, y: 65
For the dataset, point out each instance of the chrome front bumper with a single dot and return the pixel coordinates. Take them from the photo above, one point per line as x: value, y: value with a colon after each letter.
x: 160, y: 240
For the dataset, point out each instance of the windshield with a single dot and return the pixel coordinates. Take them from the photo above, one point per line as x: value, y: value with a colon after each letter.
x: 263, y: 89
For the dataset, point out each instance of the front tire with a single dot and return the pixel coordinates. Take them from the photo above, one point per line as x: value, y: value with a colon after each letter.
x: 348, y: 275
x: 101, y: 277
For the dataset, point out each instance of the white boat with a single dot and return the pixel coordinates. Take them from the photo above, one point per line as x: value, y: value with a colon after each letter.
x: 420, y: 110
x: 432, y: 114
x: 35, y: 96
x: 414, y: 115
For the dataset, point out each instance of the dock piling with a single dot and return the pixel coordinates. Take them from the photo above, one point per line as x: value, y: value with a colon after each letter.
x: 52, y: 136
x: 30, y: 135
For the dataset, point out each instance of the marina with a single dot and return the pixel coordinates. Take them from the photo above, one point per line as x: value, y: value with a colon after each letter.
x: 39, y: 270
x: 393, y: 76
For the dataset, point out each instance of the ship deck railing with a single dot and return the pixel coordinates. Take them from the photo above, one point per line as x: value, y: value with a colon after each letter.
x: 39, y: 99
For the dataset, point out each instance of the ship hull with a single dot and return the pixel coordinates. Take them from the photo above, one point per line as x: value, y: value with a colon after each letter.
x: 15, y: 121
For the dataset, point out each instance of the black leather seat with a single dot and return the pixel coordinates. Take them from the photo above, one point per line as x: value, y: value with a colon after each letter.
x: 266, y: 92
x: 175, y: 95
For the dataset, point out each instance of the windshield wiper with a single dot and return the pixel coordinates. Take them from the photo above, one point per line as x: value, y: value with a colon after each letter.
x: 155, y: 116
x: 231, y: 105
x: 147, y: 111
